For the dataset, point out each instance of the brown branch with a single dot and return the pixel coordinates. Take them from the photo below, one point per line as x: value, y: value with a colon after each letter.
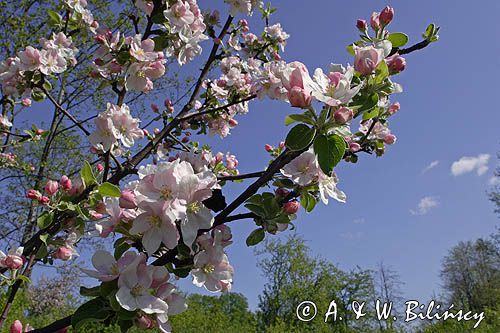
x: 242, y: 176
x: 410, y: 49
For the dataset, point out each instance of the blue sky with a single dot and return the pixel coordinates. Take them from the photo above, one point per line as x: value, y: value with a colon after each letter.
x: 448, y: 112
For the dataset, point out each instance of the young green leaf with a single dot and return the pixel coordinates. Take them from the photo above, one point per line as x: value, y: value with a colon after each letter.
x: 330, y: 151
x: 109, y: 190
x: 87, y: 174
x: 93, y: 310
x: 256, y: 237
x: 300, y: 137
x: 398, y: 39
x: 45, y: 219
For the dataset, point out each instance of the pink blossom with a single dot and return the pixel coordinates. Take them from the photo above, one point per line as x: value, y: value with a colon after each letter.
x: 127, y: 199
x: 390, y: 139
x: 30, y: 59
x: 146, y: 6
x: 26, y: 102
x: 393, y: 108
x: 212, y: 269
x: 343, y: 115
x: 375, y: 21
x: 354, y: 147
x: 63, y: 253
x: 13, y: 259
x: 44, y: 200
x: 107, y: 268
x: 33, y: 194
x: 179, y: 15
x: 367, y: 59
x: 51, y: 187
x: 396, y: 63
x: 65, y: 183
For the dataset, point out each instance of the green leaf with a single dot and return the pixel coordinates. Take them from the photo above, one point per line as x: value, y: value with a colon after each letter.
x: 37, y: 95
x: 44, y: 220
x: 256, y: 209
x: 47, y: 85
x: 121, y: 246
x: 87, y: 174
x: 256, y: 237
x: 109, y: 190
x: 350, y: 49
x: 161, y: 43
x: 300, y: 137
x: 308, y: 201
x: 330, y: 151
x: 90, y: 292
x: 382, y: 72
x: 293, y: 118
x: 398, y: 39
x: 55, y: 18
x: 93, y: 310
x: 371, y: 114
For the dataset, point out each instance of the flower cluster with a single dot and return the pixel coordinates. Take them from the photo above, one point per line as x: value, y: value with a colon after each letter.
x: 185, y: 21
x: 17, y: 73
x: 305, y: 171
x: 141, y: 287
x: 113, y: 125
x: 245, y: 7
x: 133, y: 57
x: 81, y: 13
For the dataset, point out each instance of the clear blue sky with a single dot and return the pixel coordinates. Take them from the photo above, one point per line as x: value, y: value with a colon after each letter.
x: 449, y: 110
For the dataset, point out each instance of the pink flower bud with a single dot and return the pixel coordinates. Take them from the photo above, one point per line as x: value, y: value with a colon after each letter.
x: 343, y: 115
x: 386, y: 15
x: 219, y: 157
x: 155, y: 108
x: 390, y: 139
x: 276, y: 56
x: 354, y: 147
x: 185, y: 139
x: 44, y: 200
x: 26, y: 102
x: 396, y: 63
x: 144, y: 322
x: 39, y: 131
x: 291, y: 207
x: 282, y: 145
x: 282, y: 192
x: 157, y: 131
x: 99, y: 167
x: 268, y: 147
x: 65, y: 183
x: 393, y: 108
x: 361, y: 25
x: 127, y: 199
x: 16, y: 327
x: 217, y: 41
x: 12, y: 261
x: 33, y: 194
x: 375, y: 21
x: 51, y: 187
x: 299, y: 97
x: 244, y: 25
x: 145, y: 132
x: 63, y: 253
x: 232, y: 122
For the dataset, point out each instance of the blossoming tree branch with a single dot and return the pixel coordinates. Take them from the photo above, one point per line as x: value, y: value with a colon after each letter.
x: 159, y: 193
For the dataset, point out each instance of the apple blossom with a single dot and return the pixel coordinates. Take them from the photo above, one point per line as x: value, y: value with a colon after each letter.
x: 343, y: 115
x: 65, y: 183
x: 367, y: 59
x: 13, y: 259
x: 134, y: 283
x: 107, y: 268
x: 212, y: 269
x: 157, y: 225
x: 145, y: 5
